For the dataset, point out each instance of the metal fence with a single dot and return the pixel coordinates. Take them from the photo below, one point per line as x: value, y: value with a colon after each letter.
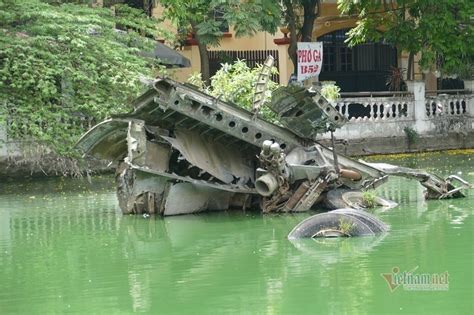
x: 251, y: 57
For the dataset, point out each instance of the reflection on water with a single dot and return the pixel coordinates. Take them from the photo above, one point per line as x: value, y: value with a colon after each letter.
x: 64, y: 248
x: 327, y: 251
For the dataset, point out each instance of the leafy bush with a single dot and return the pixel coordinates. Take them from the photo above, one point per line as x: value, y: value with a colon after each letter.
x: 65, y: 66
x: 411, y: 134
x: 236, y: 83
x: 330, y: 91
x: 395, y: 80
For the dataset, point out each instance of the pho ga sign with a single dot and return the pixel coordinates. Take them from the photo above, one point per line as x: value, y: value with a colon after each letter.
x: 310, y: 59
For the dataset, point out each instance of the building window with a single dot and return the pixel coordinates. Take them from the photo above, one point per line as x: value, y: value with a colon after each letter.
x: 337, y: 56
x: 364, y: 67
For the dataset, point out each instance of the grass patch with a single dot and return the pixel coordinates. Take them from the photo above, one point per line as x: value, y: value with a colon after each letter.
x: 368, y: 198
x: 345, y: 226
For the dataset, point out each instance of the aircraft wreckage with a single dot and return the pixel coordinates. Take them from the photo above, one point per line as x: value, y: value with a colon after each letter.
x: 182, y: 151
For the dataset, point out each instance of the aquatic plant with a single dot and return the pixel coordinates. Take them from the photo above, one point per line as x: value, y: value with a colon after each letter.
x: 368, y: 198
x: 345, y: 226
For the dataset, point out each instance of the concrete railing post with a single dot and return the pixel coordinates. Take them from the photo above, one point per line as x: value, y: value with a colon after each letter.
x: 469, y: 85
x: 470, y: 109
x: 470, y: 101
x: 419, y: 111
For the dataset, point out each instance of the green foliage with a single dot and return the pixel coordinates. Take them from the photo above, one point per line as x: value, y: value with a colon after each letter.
x: 412, y: 135
x: 207, y: 19
x: 299, y: 17
x: 395, y: 79
x: 441, y: 30
x: 63, y: 67
x: 330, y: 91
x: 368, y: 198
x: 236, y: 83
x: 345, y: 226
x: 246, y: 17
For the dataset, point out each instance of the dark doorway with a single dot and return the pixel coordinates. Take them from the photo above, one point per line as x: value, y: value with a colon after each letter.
x: 364, y: 67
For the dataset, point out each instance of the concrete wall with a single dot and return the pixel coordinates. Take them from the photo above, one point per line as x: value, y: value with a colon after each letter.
x: 401, y: 144
x: 8, y: 147
x: 388, y: 116
x: 440, y: 122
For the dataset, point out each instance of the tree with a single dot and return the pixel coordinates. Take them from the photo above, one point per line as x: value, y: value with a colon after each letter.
x: 64, y: 65
x: 303, y: 30
x: 442, y: 31
x: 207, y: 18
x: 236, y: 83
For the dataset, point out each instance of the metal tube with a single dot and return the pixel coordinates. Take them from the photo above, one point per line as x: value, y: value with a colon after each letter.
x: 266, y: 184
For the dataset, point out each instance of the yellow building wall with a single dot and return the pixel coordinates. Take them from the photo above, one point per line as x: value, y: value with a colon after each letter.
x: 260, y: 41
x: 329, y: 20
x: 182, y: 74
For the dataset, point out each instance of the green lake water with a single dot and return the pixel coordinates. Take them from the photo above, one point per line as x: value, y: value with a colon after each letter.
x: 66, y: 248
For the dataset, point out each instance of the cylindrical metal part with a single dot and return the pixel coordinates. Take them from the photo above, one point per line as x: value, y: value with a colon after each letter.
x: 275, y: 148
x: 266, y: 184
x: 266, y: 146
x: 350, y: 174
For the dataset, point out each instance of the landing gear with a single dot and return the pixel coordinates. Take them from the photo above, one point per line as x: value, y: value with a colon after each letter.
x: 352, y: 198
x: 339, y: 223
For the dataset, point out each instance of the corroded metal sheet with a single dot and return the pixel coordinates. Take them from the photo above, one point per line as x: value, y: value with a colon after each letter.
x: 186, y: 198
x: 305, y: 114
x: 177, y: 178
x: 183, y: 151
x: 107, y: 140
x: 223, y: 162
x: 132, y: 186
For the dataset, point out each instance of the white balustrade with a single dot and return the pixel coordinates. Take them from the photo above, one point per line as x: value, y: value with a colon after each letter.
x: 374, y: 109
x: 376, y: 116
x: 450, y: 105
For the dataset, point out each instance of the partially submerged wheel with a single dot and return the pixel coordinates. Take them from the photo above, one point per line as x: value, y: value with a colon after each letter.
x: 352, y: 198
x: 339, y: 223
